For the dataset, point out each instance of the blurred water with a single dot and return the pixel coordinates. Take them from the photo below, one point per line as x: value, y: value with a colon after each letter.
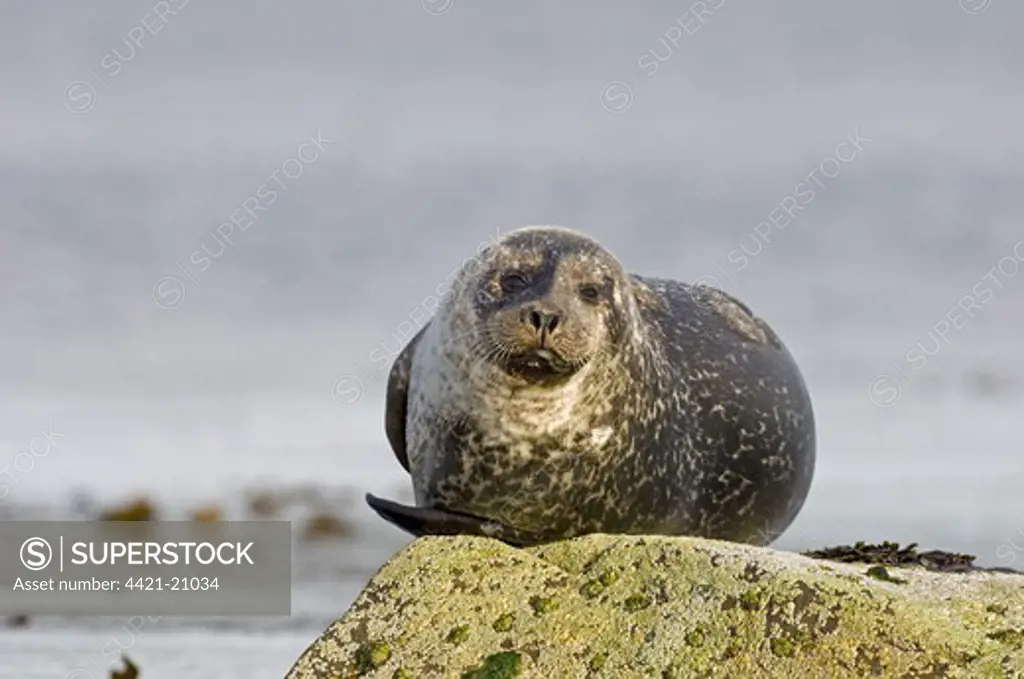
x: 76, y: 653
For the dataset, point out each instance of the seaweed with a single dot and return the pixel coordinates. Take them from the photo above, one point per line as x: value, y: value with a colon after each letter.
x: 891, y: 554
x: 130, y: 671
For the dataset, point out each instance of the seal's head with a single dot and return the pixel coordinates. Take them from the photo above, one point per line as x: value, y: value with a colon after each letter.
x: 547, y: 301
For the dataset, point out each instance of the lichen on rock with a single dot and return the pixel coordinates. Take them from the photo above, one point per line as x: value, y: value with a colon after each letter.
x: 622, y: 606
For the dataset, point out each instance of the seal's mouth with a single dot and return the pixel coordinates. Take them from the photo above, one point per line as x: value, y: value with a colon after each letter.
x: 540, y: 364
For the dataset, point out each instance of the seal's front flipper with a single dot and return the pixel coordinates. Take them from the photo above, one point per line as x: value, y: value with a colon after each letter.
x: 396, y: 401
x: 425, y: 520
x: 420, y: 521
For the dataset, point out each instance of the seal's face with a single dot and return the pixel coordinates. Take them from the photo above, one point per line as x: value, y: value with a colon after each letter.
x: 548, y: 302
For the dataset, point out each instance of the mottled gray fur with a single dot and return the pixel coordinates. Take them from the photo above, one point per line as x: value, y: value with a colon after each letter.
x: 688, y: 417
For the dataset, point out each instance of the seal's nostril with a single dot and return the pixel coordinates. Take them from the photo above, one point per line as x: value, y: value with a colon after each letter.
x: 540, y: 320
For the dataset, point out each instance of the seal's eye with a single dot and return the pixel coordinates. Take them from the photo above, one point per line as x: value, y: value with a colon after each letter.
x: 513, y: 282
x: 590, y: 293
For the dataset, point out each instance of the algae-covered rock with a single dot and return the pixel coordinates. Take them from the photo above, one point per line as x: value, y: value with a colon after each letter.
x: 619, y: 606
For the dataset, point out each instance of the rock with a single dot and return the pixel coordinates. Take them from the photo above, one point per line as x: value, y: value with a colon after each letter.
x: 139, y: 509
x: 18, y: 620
x: 208, y: 514
x: 264, y: 504
x: 130, y: 671
x: 620, y: 606
x: 325, y: 526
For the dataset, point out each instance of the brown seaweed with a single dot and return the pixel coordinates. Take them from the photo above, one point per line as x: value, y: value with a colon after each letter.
x: 891, y: 554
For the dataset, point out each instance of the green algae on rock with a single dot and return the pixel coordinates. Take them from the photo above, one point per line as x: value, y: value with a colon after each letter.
x: 371, y: 656
x: 504, y: 623
x: 543, y: 604
x: 458, y: 634
x: 675, y: 607
x: 505, y: 665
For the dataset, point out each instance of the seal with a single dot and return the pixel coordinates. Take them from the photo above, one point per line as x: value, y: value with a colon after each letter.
x: 553, y: 395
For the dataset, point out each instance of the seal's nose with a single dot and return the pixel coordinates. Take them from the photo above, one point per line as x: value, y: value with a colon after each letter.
x: 543, y: 320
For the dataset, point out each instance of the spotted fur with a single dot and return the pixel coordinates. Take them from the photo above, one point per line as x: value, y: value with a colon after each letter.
x: 687, y: 417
